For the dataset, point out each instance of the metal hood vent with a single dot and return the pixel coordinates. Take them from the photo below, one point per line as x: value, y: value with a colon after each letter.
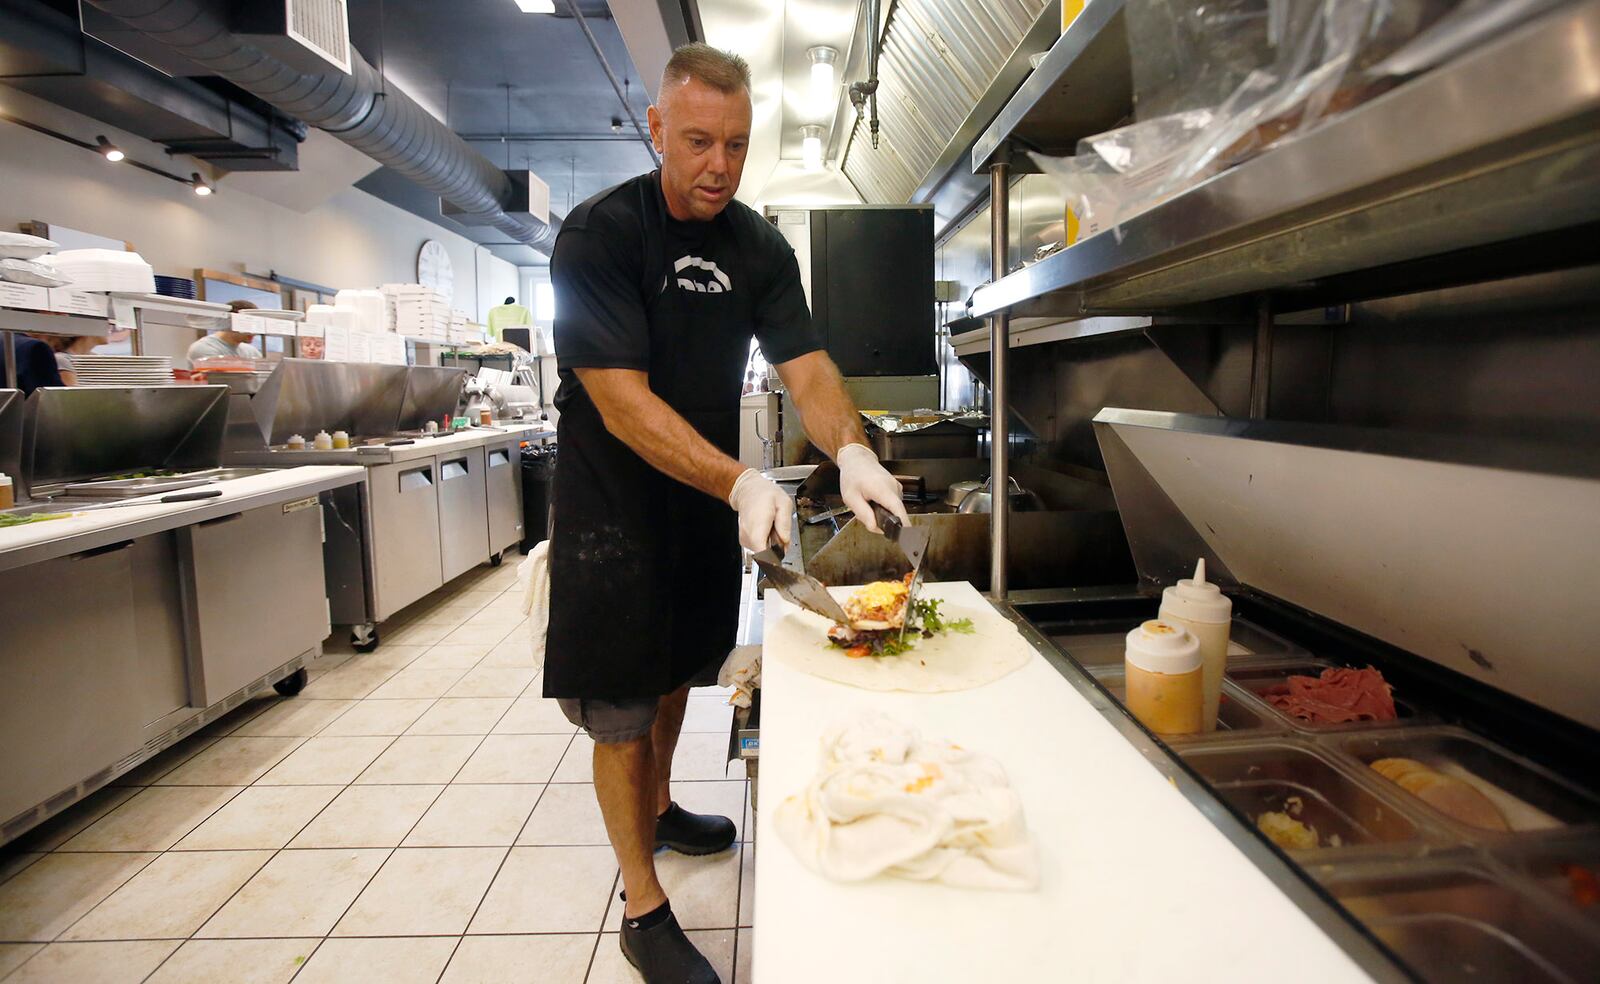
x: 938, y: 59
x: 379, y: 120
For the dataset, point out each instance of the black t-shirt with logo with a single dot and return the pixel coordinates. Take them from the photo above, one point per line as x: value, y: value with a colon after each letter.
x: 612, y: 262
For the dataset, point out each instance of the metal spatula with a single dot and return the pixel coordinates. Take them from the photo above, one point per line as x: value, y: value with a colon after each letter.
x: 914, y: 541
x: 801, y: 589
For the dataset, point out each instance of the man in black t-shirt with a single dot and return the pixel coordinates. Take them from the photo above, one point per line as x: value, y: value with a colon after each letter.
x: 36, y: 363
x: 660, y: 284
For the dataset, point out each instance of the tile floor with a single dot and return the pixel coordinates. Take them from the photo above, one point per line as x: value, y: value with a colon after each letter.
x: 419, y: 813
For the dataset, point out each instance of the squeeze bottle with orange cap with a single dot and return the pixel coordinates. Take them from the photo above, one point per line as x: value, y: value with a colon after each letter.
x: 1164, y: 678
x: 1202, y: 608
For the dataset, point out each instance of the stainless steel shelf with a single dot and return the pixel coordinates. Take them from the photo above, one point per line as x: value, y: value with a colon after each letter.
x: 1084, y: 86
x: 1499, y: 145
x: 1038, y: 331
x: 50, y: 323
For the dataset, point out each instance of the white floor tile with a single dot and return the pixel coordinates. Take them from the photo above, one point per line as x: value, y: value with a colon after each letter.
x: 347, y: 682
x: 160, y: 764
x: 94, y: 963
x: 259, y: 818
x: 512, y: 652
x: 567, y: 814
x: 391, y: 961
x: 13, y: 863
x: 14, y: 955
x: 170, y: 897
x: 390, y: 658
x: 414, y: 634
x: 293, y: 717
x: 452, y: 656
x: 708, y: 714
x: 549, y: 890
x: 418, y: 683
x: 549, y: 959
x: 475, y: 816
x: 378, y: 717
x: 65, y: 825
x: 514, y: 758
x: 493, y: 681
x: 534, y: 716
x: 577, y: 765
x: 235, y: 961
x: 747, y: 885
x: 470, y: 632
x: 230, y: 762
x: 154, y: 820
x: 462, y: 716
x: 368, y: 816
x: 423, y: 891
x: 420, y: 759
x: 332, y: 761
x: 298, y: 893
x: 704, y: 756
x: 53, y: 893
x: 744, y: 964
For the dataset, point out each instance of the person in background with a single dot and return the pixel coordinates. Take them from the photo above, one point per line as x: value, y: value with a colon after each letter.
x: 508, y: 315
x: 226, y: 344
x: 36, y: 364
x: 749, y: 382
x: 67, y: 346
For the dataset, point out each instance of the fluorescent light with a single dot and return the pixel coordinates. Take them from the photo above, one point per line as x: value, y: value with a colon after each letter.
x: 536, y: 6
x: 109, y: 150
x: 811, y: 147
x: 824, y: 90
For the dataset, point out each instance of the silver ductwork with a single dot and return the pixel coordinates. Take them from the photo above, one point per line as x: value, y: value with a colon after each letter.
x: 376, y: 119
x: 939, y: 58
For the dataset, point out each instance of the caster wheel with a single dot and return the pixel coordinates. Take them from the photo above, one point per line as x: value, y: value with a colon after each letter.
x: 497, y: 559
x: 293, y: 683
x: 364, y: 639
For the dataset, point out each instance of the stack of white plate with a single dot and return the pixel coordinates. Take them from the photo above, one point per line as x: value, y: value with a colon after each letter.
x: 105, y: 269
x: 122, y: 370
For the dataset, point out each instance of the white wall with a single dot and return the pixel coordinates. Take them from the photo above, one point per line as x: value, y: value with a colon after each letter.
x: 353, y: 240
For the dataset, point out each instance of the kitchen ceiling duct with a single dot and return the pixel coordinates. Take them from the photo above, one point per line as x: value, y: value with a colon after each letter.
x: 938, y: 58
x: 359, y: 108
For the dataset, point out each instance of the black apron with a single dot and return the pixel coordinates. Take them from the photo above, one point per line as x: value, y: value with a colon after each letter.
x: 644, y: 570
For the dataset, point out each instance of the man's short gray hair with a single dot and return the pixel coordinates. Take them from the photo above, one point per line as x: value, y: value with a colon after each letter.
x: 722, y: 70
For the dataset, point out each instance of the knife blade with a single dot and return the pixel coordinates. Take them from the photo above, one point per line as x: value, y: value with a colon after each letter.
x: 913, y: 541
x: 801, y: 589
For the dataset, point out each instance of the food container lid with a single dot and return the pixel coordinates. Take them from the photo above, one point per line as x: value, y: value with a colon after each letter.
x: 1196, y: 599
x: 1161, y: 647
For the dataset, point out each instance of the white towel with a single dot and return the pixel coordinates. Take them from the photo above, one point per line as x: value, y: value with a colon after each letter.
x: 887, y: 801
x: 535, y: 575
x: 741, y: 671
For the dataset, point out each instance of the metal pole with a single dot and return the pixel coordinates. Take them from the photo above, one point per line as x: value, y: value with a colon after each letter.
x: 10, y: 342
x: 999, y: 343
x: 1261, y: 360
x: 616, y: 85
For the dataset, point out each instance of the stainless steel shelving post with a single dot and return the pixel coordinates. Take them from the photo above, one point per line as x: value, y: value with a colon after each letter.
x: 999, y: 426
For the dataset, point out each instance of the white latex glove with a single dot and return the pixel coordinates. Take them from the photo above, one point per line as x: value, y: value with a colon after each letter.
x: 764, y: 510
x: 863, y: 481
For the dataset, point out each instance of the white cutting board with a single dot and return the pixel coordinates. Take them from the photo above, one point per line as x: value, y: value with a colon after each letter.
x: 1137, y: 884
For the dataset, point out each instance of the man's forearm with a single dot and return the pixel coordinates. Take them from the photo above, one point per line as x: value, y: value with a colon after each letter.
x: 643, y: 421
x: 830, y: 417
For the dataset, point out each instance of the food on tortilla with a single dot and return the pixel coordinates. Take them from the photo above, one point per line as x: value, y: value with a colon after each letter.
x: 879, y: 605
x: 1338, y: 696
x: 880, y: 612
x: 1455, y: 798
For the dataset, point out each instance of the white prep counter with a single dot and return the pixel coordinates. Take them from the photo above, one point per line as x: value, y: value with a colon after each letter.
x: 1137, y: 884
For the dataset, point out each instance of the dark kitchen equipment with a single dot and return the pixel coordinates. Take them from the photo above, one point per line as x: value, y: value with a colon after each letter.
x: 538, y: 480
x: 802, y: 590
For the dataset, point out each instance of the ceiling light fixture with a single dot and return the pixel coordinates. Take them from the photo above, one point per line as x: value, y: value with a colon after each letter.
x: 616, y: 124
x: 536, y: 6
x: 824, y: 91
x: 811, y: 147
x: 109, y: 150
x: 201, y: 186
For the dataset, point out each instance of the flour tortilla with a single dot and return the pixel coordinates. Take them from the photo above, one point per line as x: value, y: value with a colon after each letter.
x: 948, y: 661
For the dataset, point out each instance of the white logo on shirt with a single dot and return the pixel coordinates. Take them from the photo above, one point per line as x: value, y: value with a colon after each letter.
x: 701, y: 275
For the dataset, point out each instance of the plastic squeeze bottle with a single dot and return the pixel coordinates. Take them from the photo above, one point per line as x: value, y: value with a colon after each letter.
x: 1164, y: 678
x: 1202, y: 608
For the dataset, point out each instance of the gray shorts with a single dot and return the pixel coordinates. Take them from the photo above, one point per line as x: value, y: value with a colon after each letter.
x: 625, y: 719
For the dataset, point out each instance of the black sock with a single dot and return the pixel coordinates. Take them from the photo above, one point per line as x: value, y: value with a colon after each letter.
x: 653, y: 918
x: 669, y: 809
